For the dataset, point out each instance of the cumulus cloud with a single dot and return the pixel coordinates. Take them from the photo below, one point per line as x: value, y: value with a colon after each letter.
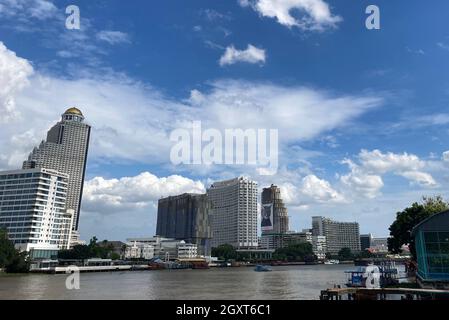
x: 365, y: 176
x: 251, y: 54
x: 361, y: 182
x: 113, y: 37
x: 315, y: 14
x: 119, y: 195
x: 14, y: 76
x: 320, y: 190
x: 446, y: 156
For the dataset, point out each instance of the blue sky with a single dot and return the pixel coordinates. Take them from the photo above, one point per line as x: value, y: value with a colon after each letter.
x: 362, y: 114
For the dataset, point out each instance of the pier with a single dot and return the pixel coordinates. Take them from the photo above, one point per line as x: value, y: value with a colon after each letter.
x: 383, y: 294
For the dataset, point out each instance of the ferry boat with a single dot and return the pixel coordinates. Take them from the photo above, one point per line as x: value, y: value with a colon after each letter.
x: 262, y: 268
x: 358, y: 278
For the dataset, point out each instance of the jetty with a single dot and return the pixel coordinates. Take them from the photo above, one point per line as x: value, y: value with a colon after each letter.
x: 383, y: 294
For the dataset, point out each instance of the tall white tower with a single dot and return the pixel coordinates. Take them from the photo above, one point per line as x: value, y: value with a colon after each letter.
x: 234, y: 213
x: 65, y: 150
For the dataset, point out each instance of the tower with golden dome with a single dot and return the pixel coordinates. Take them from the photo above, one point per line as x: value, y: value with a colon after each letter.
x: 65, y: 150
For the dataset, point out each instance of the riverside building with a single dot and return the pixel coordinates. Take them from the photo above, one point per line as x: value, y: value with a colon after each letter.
x: 33, y: 210
x: 275, y: 221
x: 234, y: 213
x: 338, y: 235
x: 186, y: 217
x: 65, y: 150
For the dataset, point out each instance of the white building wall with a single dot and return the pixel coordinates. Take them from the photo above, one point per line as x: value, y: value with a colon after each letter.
x: 234, y: 213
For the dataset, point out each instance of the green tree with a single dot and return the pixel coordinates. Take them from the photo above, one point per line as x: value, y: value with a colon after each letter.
x: 115, y: 256
x: 18, y: 264
x: 345, y: 254
x: 295, y: 252
x: 225, y: 252
x: 406, y: 220
x: 10, y: 259
x: 7, y: 250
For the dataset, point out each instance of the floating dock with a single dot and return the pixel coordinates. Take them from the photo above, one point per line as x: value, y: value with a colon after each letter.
x: 383, y: 294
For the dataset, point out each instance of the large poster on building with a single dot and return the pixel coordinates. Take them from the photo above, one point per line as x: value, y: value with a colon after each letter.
x: 267, y: 217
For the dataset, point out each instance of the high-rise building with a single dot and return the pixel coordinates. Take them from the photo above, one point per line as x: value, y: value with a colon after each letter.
x: 319, y: 246
x: 65, y: 150
x: 272, y: 203
x: 274, y: 221
x: 282, y: 240
x: 186, y: 217
x: 338, y: 235
x: 365, y: 241
x: 33, y: 210
x: 234, y: 213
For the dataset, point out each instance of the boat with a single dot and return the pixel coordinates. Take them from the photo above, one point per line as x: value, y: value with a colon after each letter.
x: 333, y: 261
x: 262, y: 268
x: 372, y: 276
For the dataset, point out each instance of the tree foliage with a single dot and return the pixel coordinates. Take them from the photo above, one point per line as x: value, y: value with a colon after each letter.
x: 295, y: 252
x: 92, y: 250
x: 11, y: 259
x: 406, y: 220
x: 345, y: 254
x: 225, y: 252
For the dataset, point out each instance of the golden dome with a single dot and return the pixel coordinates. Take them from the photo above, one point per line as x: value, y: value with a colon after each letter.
x: 75, y: 111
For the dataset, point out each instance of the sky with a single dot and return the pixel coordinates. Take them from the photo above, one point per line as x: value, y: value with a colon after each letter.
x: 362, y: 115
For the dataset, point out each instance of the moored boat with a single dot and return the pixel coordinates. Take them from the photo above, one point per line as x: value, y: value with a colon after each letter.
x: 262, y: 268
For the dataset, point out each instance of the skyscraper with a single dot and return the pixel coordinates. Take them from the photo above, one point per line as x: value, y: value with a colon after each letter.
x: 338, y: 235
x: 32, y: 210
x: 274, y: 222
x: 234, y: 213
x: 271, y: 198
x: 65, y: 150
x: 186, y: 217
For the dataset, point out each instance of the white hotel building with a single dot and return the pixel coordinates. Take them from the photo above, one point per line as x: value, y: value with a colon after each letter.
x: 32, y: 210
x: 234, y: 213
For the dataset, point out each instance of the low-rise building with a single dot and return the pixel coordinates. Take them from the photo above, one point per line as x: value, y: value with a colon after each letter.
x: 187, y: 250
x: 432, y: 250
x: 379, y: 245
x: 167, y: 248
x: 139, y: 250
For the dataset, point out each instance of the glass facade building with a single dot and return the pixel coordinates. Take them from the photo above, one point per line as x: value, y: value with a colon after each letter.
x: 432, y: 247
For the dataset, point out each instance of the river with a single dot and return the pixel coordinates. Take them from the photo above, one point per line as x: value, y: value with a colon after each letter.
x: 290, y: 282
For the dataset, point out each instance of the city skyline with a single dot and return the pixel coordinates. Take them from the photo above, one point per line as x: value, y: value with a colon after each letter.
x: 360, y: 137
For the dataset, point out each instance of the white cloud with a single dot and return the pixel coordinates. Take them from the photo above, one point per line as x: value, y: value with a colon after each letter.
x: 377, y: 162
x: 108, y: 196
x: 14, y: 74
x: 446, y: 156
x: 362, y: 183
x: 251, y: 54
x: 422, y: 178
x: 320, y: 190
x: 25, y: 9
x: 132, y: 121
x: 113, y: 37
x: 365, y: 177
x: 315, y: 14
